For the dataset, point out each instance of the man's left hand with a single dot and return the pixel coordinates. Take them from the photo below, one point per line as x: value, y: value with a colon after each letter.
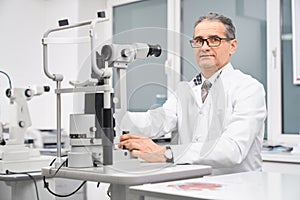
x: 143, y: 147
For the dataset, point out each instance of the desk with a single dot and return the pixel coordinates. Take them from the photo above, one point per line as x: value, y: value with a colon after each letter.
x: 20, y: 186
x: 121, y: 180
x: 246, y: 186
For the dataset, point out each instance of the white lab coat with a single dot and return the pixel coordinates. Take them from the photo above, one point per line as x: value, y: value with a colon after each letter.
x: 225, y: 132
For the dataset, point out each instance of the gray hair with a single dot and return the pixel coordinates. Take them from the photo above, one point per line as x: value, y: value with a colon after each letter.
x: 230, y: 29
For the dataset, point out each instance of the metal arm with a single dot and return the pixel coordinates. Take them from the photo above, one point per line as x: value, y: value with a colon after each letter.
x: 92, y: 23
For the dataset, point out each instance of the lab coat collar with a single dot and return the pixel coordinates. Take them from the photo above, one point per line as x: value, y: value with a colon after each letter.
x: 226, y: 69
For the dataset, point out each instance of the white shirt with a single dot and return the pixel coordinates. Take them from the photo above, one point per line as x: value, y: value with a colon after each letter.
x: 225, y: 132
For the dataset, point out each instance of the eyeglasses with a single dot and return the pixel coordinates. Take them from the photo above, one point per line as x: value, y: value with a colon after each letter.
x: 214, y: 41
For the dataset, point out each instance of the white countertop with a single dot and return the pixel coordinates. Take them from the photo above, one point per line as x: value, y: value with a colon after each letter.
x: 246, y: 186
x: 286, y: 157
x: 145, y: 173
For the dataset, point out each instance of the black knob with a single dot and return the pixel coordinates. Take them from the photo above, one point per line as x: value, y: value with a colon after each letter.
x: 8, y: 93
x: 101, y: 14
x: 125, y: 53
x: 46, y: 88
x: 63, y: 22
x: 22, y: 124
x: 28, y: 93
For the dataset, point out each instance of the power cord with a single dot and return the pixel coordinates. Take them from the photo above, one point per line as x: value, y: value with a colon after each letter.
x: 108, y: 192
x: 46, y: 184
x: 9, y: 80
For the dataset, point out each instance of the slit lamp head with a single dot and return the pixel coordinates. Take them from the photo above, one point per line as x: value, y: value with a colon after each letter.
x: 127, y: 53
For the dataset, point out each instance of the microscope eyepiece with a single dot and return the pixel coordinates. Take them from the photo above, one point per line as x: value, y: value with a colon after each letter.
x: 154, y: 50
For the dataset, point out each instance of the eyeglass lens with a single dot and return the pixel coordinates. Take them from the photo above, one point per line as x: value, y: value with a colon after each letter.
x: 211, y: 42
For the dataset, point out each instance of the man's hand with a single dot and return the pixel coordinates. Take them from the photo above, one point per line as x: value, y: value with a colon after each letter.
x: 143, y: 147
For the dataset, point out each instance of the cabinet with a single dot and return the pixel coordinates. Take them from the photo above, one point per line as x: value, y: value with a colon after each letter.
x: 281, y: 162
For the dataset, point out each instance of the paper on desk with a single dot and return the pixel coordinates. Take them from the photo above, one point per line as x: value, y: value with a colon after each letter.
x: 195, y: 186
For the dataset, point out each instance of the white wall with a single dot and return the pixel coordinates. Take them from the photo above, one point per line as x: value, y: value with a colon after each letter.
x: 23, y: 24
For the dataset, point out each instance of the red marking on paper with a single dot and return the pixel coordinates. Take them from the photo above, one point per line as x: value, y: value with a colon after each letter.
x: 196, y: 186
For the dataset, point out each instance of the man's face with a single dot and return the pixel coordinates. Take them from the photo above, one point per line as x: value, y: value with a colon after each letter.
x: 211, y: 59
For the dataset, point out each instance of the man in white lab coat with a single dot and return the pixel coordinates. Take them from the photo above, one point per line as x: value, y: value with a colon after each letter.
x: 221, y: 125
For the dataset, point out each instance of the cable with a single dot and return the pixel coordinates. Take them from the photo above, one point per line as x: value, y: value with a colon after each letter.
x: 31, y: 177
x: 61, y: 195
x: 46, y: 184
x: 108, y: 192
x: 52, y: 161
x: 9, y: 81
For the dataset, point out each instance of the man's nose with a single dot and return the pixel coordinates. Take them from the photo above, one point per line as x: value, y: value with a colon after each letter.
x: 205, y: 45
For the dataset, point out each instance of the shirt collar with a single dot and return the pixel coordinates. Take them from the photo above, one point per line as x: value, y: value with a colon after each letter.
x: 199, y: 79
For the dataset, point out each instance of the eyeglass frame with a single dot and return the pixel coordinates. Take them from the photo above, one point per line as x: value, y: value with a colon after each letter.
x: 207, y: 42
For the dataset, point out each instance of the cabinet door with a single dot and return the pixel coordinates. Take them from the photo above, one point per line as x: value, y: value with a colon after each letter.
x: 280, y: 167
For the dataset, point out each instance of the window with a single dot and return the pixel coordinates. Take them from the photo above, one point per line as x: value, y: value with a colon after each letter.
x: 143, y: 22
x: 284, y: 109
x: 178, y: 16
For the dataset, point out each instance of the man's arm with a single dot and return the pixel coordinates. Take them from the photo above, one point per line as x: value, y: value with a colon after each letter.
x: 153, y: 123
x: 244, y: 126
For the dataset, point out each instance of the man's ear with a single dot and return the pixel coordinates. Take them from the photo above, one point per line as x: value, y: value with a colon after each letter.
x: 233, y: 46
